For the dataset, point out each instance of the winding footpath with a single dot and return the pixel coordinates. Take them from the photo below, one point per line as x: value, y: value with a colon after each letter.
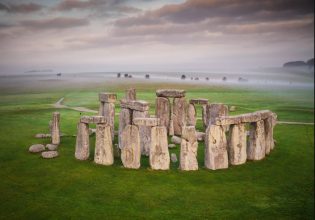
x: 59, y: 104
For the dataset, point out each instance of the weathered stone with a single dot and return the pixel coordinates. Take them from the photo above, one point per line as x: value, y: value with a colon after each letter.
x: 171, y: 145
x: 150, y: 122
x: 215, y: 110
x: 101, y: 109
x: 93, y: 119
x: 159, y: 155
x: 109, y: 114
x: 171, y: 128
x: 232, y: 108
x: 268, y: 123
x: 51, y: 147
x: 204, y: 116
x: 176, y: 140
x: 130, y: 94
x: 138, y: 105
x: 172, y: 93
x: 92, y: 131
x: 191, y: 115
x: 130, y: 147
x: 173, y: 158
x: 199, y: 101
x: 237, y: 144
x: 216, y: 156
x: 145, y: 133
x: 179, y: 115
x: 274, y: 123
x: 36, y: 148
x: 200, y: 135
x: 42, y: 135
x: 256, y: 148
x: 125, y: 118
x: 103, y: 145
x: 82, y: 146
x: 188, y: 149
x: 228, y: 120
x: 163, y: 111
x: 50, y: 154
x: 107, y: 97
x: 55, y: 131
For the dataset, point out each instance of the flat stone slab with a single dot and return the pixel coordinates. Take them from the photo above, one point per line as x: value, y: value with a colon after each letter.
x: 107, y: 97
x: 150, y: 122
x: 172, y: 93
x: 199, y: 101
x: 51, y: 147
x: 93, y: 119
x: 36, y: 148
x: 244, y: 118
x: 138, y: 105
x: 49, y: 154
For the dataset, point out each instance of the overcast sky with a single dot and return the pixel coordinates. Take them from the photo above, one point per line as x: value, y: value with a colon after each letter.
x: 153, y: 35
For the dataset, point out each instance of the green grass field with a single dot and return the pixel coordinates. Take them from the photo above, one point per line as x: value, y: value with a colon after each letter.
x: 278, y: 187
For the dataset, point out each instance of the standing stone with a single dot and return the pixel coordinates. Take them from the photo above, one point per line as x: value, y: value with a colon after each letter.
x: 191, y: 115
x: 82, y: 147
x: 145, y: 133
x: 216, y: 156
x: 101, y: 109
x: 274, y: 123
x: 163, y: 111
x: 256, y: 148
x: 179, y: 114
x: 188, y: 149
x: 55, y: 131
x: 130, y: 94
x: 125, y: 118
x: 103, y: 145
x: 159, y: 155
x: 130, y: 147
x: 237, y: 144
x: 268, y: 123
x: 216, y: 110
x: 204, y: 116
x: 109, y: 114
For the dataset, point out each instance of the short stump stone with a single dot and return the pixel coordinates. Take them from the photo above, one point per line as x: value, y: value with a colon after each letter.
x: 49, y: 154
x: 36, y: 148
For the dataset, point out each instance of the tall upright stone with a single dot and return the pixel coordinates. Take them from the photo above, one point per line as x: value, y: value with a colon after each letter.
x: 274, y: 123
x: 256, y: 147
x: 163, y: 111
x: 82, y: 147
x: 55, y: 128
x: 125, y: 117
x: 130, y: 94
x: 191, y: 115
x: 215, y: 110
x: 130, y: 147
x: 109, y: 114
x: 179, y: 114
x: 216, y: 156
x: 204, y: 116
x: 103, y: 145
x: 188, y: 149
x: 145, y: 132
x: 159, y: 154
x: 237, y: 144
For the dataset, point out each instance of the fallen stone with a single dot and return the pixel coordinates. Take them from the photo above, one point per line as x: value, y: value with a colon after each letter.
x: 82, y: 146
x: 191, y: 115
x: 199, y: 101
x: 107, y: 97
x: 171, y: 145
x: 93, y: 119
x: 52, y: 147
x: 103, y: 145
x: 163, y: 111
x: 49, y: 154
x: 216, y: 155
x: 159, y: 155
x: 232, y: 108
x: 130, y: 94
x: 36, y: 148
x: 256, y: 149
x: 130, y: 147
x: 55, y: 129
x: 179, y: 115
x: 150, y: 122
x: 42, y: 135
x: 200, y: 135
x: 172, y: 93
x: 173, y: 158
x: 188, y: 149
x: 237, y: 144
x: 176, y: 140
x: 138, y: 105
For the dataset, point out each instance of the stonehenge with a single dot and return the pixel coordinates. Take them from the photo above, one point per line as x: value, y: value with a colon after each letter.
x: 55, y: 128
x: 229, y: 140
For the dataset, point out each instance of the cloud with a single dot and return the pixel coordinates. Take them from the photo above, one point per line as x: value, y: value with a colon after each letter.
x: 55, y: 23
x: 21, y: 8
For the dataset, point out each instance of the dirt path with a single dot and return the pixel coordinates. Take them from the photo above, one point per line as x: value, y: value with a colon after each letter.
x: 59, y: 104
